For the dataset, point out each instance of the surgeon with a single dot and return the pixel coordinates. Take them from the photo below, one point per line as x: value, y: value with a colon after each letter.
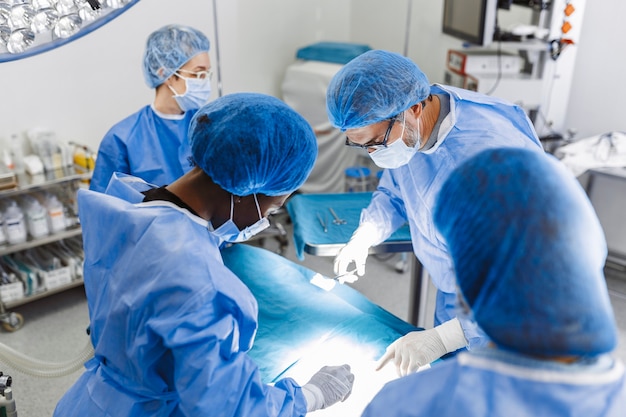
x: 419, y: 133
x: 170, y: 324
x: 152, y: 143
x: 529, y: 253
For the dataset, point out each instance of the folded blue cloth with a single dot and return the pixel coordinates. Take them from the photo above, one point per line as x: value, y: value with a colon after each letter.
x: 334, y: 52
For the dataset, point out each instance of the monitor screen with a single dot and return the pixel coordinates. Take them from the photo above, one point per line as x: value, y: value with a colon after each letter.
x: 473, y: 21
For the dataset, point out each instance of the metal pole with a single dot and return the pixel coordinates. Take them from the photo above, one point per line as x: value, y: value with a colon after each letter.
x: 409, y: 3
x: 217, y: 51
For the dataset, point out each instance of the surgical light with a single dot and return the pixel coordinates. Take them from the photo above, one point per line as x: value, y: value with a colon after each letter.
x: 29, y: 27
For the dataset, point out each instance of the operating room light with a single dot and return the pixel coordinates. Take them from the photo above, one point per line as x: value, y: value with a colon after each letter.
x: 28, y: 27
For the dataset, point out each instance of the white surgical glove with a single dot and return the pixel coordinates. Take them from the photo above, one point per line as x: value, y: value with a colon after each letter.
x: 328, y: 386
x: 356, y: 250
x: 420, y: 348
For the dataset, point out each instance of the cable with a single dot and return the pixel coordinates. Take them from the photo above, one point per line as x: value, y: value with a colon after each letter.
x: 498, y: 57
x: 499, y: 75
x: 42, y: 369
x: 546, y: 124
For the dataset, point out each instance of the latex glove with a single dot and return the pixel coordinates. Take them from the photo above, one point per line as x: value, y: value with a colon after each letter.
x: 356, y: 250
x: 420, y: 348
x: 328, y: 386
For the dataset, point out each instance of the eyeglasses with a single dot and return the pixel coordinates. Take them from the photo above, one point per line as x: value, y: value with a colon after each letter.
x: 373, y: 144
x: 201, y: 75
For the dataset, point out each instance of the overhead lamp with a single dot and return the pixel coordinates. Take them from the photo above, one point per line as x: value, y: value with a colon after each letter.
x: 29, y: 27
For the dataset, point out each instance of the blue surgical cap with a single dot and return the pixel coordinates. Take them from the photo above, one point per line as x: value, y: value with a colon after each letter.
x: 168, y: 49
x: 253, y: 143
x: 529, y: 253
x: 373, y: 87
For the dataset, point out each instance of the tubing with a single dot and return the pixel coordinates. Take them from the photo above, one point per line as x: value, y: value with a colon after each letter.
x: 42, y: 369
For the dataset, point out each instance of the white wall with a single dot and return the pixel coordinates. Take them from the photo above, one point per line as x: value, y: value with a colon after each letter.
x: 83, y: 88
x: 259, y: 39
x: 383, y: 24
x: 599, y: 87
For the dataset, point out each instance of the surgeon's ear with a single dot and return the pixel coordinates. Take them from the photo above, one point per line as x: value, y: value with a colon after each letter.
x: 170, y: 80
x: 416, y: 109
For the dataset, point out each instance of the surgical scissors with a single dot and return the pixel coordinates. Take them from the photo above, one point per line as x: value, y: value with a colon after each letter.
x: 337, y: 219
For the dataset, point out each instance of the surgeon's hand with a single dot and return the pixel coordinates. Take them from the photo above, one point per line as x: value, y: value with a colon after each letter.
x: 356, y: 250
x: 420, y: 348
x: 328, y: 386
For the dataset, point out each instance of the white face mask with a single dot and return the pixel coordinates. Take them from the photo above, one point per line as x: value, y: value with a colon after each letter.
x: 196, y: 95
x: 396, y: 154
x: 229, y: 232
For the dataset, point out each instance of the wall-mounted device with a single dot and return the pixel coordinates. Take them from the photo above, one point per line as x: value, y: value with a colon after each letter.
x: 473, y: 21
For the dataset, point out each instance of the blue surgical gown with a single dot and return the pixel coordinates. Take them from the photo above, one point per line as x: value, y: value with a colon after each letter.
x: 479, y: 384
x: 145, y: 145
x: 476, y: 122
x: 170, y: 324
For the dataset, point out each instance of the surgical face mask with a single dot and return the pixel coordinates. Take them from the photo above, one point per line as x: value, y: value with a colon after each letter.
x: 197, y: 93
x: 229, y: 232
x: 398, y: 153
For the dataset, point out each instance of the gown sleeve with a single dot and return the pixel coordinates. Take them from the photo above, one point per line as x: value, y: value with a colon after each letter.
x: 211, y: 369
x: 112, y: 157
x: 386, y: 211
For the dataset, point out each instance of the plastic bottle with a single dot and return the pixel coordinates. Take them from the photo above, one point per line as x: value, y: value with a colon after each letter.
x: 7, y: 159
x: 36, y: 217
x: 56, y: 213
x: 14, y: 223
x: 7, y: 404
x: 17, y: 153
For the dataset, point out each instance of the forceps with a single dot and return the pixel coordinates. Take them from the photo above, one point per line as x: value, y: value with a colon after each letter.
x: 347, y: 273
x: 322, y: 222
x: 337, y: 219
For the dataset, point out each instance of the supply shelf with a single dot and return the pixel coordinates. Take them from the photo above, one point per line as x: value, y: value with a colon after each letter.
x: 65, y: 181
x: 7, y: 249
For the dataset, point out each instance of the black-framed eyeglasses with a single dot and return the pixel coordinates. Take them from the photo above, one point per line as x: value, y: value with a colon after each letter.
x: 373, y: 144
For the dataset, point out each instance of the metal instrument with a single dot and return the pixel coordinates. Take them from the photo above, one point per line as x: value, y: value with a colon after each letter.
x: 337, y: 219
x: 322, y: 222
x: 347, y: 273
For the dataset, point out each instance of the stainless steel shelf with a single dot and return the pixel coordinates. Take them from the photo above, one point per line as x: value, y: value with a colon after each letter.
x: 6, y: 248
x: 46, y: 293
x: 529, y: 45
x: 27, y: 183
x: 332, y: 249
